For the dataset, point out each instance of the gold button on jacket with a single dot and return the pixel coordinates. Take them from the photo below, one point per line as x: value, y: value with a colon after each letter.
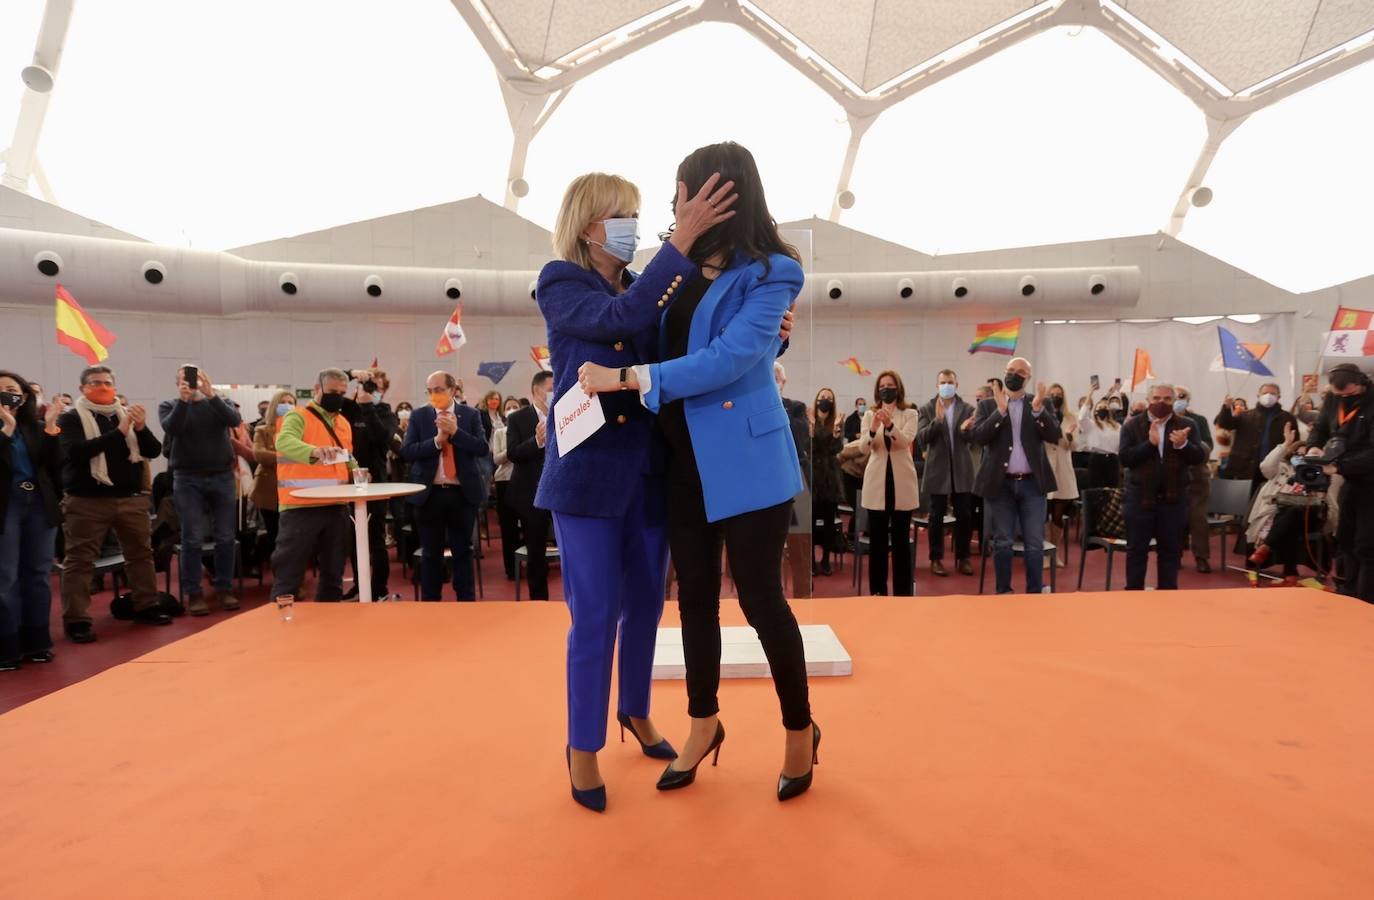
x: 619, y: 345
x: 620, y: 420
x: 728, y: 404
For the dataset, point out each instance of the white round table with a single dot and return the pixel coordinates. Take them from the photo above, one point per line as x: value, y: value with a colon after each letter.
x: 359, y: 495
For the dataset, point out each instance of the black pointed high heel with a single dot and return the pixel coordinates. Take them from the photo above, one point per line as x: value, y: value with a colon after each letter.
x: 672, y: 779
x: 794, y: 787
x: 661, y: 750
x: 592, y: 798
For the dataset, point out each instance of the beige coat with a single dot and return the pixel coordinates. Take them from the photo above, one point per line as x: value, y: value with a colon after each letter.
x: 1061, y: 460
x: 903, y: 434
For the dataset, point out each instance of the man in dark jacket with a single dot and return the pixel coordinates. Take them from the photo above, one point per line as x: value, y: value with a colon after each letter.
x: 1199, y: 482
x: 104, y: 475
x: 945, y: 432
x: 1254, y: 433
x: 196, y: 426
x: 525, y: 442
x: 1157, y: 450
x: 1344, y: 432
x: 1013, y: 428
x: 374, y: 425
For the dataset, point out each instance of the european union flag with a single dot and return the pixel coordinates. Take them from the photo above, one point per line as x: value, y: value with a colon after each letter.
x: 494, y: 370
x: 1235, y: 356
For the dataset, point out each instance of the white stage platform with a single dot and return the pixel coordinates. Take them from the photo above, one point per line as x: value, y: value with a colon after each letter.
x: 741, y: 655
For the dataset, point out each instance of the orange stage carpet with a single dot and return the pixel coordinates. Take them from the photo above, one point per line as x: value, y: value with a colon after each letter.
x: 1208, y: 744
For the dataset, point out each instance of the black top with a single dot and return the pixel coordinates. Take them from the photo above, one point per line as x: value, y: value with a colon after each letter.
x: 197, y: 434
x: 77, y: 452
x: 677, y: 328
x: 45, y: 457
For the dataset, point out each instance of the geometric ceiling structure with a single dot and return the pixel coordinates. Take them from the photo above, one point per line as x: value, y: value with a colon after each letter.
x: 1228, y: 57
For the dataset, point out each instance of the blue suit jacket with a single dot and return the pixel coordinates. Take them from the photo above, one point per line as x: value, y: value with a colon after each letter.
x: 469, y: 443
x: 588, y: 322
x: 744, y: 448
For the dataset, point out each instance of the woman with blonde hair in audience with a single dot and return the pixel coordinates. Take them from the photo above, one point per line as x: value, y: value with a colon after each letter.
x: 1061, y: 463
x: 264, y: 494
x: 1099, y: 435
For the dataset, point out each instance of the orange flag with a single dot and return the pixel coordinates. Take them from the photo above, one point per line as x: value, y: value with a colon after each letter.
x: 853, y: 365
x: 453, y: 336
x: 80, y: 333
x: 1141, y: 372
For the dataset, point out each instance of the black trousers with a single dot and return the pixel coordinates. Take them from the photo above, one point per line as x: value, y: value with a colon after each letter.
x: 753, y: 542
x: 963, y: 524
x: 1355, y: 534
x: 509, y: 520
x: 1286, y: 538
x: 1167, y: 523
x: 446, y: 519
x: 890, y: 531
x: 535, y: 525
x: 823, y: 535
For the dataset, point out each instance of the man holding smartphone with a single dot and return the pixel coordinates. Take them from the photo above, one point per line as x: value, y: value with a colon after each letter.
x: 196, y: 428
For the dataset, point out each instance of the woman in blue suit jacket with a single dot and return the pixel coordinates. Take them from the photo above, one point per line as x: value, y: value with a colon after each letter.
x: 733, y: 468
x: 607, y: 495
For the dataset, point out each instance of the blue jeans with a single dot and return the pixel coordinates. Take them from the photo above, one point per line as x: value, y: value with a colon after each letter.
x: 198, y: 498
x: 26, y: 554
x: 1018, y: 509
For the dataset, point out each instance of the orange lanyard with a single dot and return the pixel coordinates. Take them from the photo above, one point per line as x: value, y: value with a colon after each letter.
x: 1345, y: 415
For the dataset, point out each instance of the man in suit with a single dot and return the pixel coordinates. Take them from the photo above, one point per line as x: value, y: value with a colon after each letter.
x: 443, y: 442
x: 1157, y: 449
x: 525, y: 442
x: 1013, y: 428
x: 946, y: 423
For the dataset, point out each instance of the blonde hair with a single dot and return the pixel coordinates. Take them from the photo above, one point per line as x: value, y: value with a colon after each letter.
x: 586, y: 200
x: 270, y: 420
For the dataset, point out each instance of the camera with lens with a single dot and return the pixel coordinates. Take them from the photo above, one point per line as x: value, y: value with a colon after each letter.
x: 1307, y: 470
x: 370, y: 386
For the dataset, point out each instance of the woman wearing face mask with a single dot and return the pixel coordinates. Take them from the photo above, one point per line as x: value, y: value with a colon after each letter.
x: 1099, y: 435
x: 30, y: 488
x: 490, y: 408
x: 265, y: 483
x: 1060, y: 455
x: 890, y: 491
x: 733, y: 465
x: 507, y: 517
x: 827, y: 439
x: 607, y: 497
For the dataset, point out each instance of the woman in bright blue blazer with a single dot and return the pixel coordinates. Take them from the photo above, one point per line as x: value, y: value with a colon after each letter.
x: 607, y: 493
x: 732, y: 464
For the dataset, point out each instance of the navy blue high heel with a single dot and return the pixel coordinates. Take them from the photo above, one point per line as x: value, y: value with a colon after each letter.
x: 593, y: 798
x: 661, y: 750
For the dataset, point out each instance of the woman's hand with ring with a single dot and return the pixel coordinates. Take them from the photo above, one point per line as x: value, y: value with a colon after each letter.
x: 699, y: 214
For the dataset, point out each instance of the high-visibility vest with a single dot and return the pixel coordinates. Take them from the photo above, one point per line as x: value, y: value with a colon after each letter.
x: 292, y: 475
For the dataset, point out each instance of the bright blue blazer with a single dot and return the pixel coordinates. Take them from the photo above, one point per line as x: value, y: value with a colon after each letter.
x: 744, y: 447
x: 588, y: 321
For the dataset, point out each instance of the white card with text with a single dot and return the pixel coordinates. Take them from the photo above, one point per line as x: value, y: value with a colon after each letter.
x: 577, y: 416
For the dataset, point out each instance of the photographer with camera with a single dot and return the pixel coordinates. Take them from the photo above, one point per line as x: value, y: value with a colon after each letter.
x: 1287, y: 507
x: 373, y: 425
x: 1342, y: 441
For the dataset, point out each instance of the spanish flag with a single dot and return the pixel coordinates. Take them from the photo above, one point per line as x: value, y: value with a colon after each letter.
x: 853, y: 365
x: 80, y: 333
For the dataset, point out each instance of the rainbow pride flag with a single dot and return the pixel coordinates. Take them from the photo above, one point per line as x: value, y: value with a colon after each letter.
x: 996, y: 337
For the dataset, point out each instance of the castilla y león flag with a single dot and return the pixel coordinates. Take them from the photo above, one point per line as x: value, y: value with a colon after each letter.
x: 1352, y: 333
x: 80, y: 333
x: 453, y: 336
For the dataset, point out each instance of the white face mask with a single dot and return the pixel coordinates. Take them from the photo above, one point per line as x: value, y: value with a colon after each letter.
x: 1268, y: 400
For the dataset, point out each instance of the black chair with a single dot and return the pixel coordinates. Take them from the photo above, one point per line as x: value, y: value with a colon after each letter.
x: 1228, y: 507
x: 207, y: 551
x: 1018, y: 548
x: 448, y: 555
x: 1090, y: 536
x: 522, y: 556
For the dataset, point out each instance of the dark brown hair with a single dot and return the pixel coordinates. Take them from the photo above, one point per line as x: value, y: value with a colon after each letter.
x: 901, y: 388
x: 752, y: 230
x: 28, y: 409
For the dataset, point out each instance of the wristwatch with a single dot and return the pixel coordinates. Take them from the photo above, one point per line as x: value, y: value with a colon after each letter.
x: 623, y: 385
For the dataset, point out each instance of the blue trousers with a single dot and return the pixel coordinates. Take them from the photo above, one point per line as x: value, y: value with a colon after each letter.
x: 26, y: 553
x: 1018, y: 508
x: 614, y: 572
x: 201, y: 498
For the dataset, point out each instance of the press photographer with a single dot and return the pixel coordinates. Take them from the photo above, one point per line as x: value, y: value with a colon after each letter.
x: 1341, y: 439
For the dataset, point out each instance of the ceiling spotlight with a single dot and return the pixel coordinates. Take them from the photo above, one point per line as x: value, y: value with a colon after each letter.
x: 1096, y: 285
x: 905, y: 288
x: 519, y: 187
x: 845, y: 199
x: 533, y: 285
x: 373, y: 285
x: 960, y: 286
x: 1027, y: 285
x: 37, y: 79
x: 154, y: 272
x: 287, y: 283
x: 48, y: 262
x: 1200, y: 196
x: 834, y: 288
x: 453, y: 288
